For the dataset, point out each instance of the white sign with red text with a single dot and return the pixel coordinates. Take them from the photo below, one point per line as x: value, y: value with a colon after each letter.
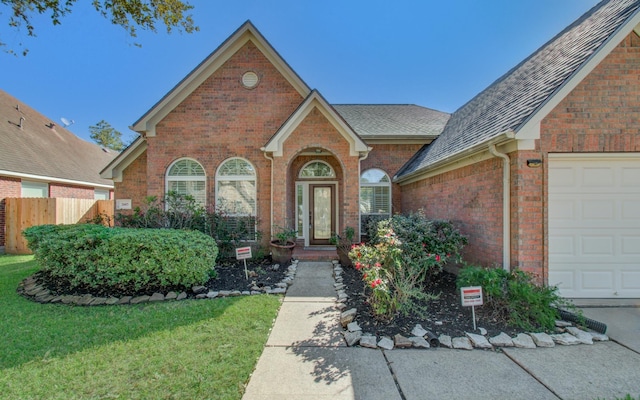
x: 471, y: 295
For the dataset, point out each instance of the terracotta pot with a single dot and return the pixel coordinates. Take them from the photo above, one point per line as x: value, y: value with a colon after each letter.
x: 281, y: 253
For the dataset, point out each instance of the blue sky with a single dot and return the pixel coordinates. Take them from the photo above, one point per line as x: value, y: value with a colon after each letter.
x: 437, y: 54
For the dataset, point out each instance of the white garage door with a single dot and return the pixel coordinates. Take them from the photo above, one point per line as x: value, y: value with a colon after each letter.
x: 594, y: 225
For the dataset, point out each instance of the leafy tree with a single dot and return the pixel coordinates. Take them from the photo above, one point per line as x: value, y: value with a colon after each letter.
x: 129, y: 14
x: 106, y: 136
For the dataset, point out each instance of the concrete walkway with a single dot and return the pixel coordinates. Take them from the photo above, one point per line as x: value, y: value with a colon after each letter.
x: 306, y: 358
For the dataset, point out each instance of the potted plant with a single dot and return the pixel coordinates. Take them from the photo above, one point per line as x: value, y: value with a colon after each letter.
x: 343, y: 245
x: 282, y: 245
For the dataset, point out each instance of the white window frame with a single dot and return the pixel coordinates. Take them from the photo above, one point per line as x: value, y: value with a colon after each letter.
x: 246, y: 178
x: 376, y: 184
x: 332, y: 175
x: 101, y: 194
x: 43, y: 187
x: 187, y: 178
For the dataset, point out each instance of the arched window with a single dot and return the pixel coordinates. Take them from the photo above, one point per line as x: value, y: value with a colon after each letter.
x: 317, y: 169
x: 375, y: 196
x: 187, y: 177
x: 236, y: 195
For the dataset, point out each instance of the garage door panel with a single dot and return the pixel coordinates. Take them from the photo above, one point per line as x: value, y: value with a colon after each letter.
x: 594, y: 225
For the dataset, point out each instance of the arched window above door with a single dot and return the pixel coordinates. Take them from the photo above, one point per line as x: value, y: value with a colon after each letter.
x: 317, y: 169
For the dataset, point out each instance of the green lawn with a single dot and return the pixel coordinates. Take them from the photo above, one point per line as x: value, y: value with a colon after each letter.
x: 189, y: 349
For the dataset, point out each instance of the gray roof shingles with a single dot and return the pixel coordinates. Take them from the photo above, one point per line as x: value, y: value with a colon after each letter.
x: 393, y: 120
x: 508, y: 102
x: 37, y: 149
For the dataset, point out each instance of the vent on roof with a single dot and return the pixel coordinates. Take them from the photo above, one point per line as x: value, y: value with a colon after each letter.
x: 104, y: 149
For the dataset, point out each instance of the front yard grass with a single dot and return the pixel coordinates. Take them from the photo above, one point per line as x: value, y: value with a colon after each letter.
x: 187, y: 349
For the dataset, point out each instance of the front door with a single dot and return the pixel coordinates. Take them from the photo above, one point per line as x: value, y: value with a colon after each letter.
x: 322, y: 221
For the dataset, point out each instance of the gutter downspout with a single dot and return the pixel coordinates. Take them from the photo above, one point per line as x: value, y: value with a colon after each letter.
x: 271, y: 195
x: 360, y: 160
x: 506, y: 206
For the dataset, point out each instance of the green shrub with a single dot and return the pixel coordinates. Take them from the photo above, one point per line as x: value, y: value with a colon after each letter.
x: 514, y: 297
x: 121, y: 260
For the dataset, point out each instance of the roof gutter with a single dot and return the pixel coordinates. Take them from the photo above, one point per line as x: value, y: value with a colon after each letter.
x: 506, y: 206
x: 498, y: 140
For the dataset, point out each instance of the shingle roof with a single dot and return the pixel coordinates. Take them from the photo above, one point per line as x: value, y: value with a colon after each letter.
x: 508, y: 102
x: 37, y: 149
x: 392, y: 120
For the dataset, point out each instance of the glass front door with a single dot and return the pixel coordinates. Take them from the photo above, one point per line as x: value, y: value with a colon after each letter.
x: 321, y: 213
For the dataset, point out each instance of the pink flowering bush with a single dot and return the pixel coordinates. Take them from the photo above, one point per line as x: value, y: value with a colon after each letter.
x: 404, y: 252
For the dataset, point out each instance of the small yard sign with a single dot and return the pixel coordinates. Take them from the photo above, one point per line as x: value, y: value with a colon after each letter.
x: 242, y: 253
x: 472, y: 296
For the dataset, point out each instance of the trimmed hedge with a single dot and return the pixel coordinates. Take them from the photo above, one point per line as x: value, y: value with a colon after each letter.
x: 122, y: 260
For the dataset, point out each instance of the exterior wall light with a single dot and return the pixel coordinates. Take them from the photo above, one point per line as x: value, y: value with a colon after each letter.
x: 534, y: 163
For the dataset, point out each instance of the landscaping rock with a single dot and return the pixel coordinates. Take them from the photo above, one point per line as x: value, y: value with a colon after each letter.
x: 565, y: 339
x: 419, y: 342
x: 542, y: 339
x: 341, y: 306
x: 402, y: 342
x: 140, y: 299
x: 212, y: 295
x: 198, y: 289
x: 582, y: 336
x: 353, y: 327
x: 369, y: 341
x: 462, y: 343
x: 46, y: 298
x: 224, y: 293
x: 246, y: 293
x: 125, y: 300
x: 182, y: 296
x: 563, y: 324
x: 524, y: 341
x: 171, y: 296
x: 98, y: 301
x: 596, y: 336
x: 276, y: 291
x: 156, y: 297
x: 58, y: 299
x: 348, y: 316
x: 352, y: 338
x: 84, y: 300
x: 201, y: 296
x: 445, y: 340
x: 418, y: 330
x: 483, y: 331
x: 111, y: 301
x: 254, y: 292
x: 501, y: 340
x: 386, y: 343
x: 478, y: 341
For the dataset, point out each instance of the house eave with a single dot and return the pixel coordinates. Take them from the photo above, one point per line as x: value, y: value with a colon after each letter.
x: 114, y: 169
x: 53, y: 179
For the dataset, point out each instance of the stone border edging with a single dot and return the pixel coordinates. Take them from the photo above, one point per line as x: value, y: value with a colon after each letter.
x: 32, y: 289
x: 567, y: 335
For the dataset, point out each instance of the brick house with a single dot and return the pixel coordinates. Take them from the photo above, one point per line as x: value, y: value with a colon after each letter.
x: 41, y: 159
x: 541, y: 170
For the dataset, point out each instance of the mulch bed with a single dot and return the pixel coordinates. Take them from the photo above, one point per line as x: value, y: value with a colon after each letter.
x: 445, y: 309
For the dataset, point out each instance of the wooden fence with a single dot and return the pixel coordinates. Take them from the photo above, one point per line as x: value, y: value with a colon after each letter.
x: 21, y: 213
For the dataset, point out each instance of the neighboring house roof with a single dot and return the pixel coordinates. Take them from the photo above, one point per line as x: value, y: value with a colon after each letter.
x: 37, y: 148
x: 521, y: 96
x: 386, y: 121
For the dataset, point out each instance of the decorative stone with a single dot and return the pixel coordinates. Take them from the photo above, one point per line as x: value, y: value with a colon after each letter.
x: 524, y: 341
x: 501, y: 340
x: 542, y: 339
x: 369, y: 341
x: 111, y: 301
x: 140, y: 299
x: 596, y: 336
x: 235, y: 293
x: 418, y: 330
x: 582, y: 336
x: 85, y: 300
x: 462, y: 343
x: 254, y: 287
x: 483, y: 331
x: 563, y: 324
x: 266, y: 289
x: 566, y: 339
x: 182, y: 296
x: 98, y: 301
x: 277, y: 291
x: 353, y: 327
x: 201, y: 296
x: 282, y: 285
x: 342, y: 295
x: 445, y: 340
x: 478, y: 341
x: 386, y: 343
x: 198, y: 289
x: 348, y: 316
x: 58, y: 299
x: 171, y: 296
x: 339, y: 286
x: 224, y: 293
x: 156, y: 297
x: 341, y: 306
x: 125, y: 300
x: 334, y: 262
x: 439, y: 323
x: 254, y: 292
x: 352, y: 338
x: 419, y: 342
x: 46, y: 298
x: 402, y: 342
x: 246, y: 293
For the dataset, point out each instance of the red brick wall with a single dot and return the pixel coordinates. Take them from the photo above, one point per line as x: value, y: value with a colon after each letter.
x: 222, y: 119
x: 9, y: 187
x: 70, y: 192
x: 390, y: 158
x: 472, y: 198
x: 134, y: 183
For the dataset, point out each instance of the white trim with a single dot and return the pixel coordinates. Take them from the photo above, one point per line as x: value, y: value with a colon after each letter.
x: 594, y: 156
x: 531, y: 127
x: 114, y: 169
x: 333, y: 172
x: 388, y: 184
x: 186, y: 178
x: 51, y: 179
x: 315, y: 101
x: 246, y: 33
x: 219, y: 178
